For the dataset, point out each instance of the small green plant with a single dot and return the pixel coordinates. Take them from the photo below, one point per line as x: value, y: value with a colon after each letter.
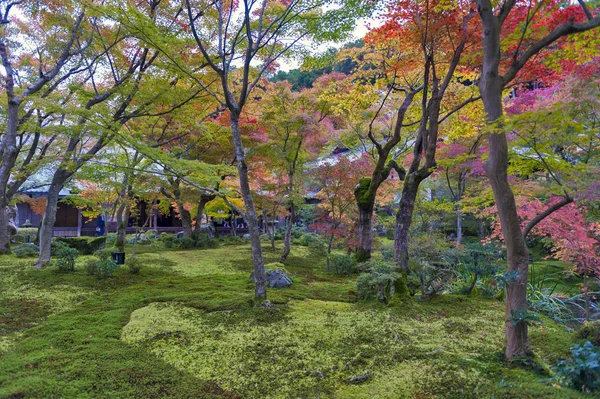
x: 134, y: 265
x: 66, y: 259
x: 168, y: 239
x: 18, y: 239
x: 342, y: 264
x: 590, y: 330
x: 185, y: 243
x: 56, y: 246
x: 522, y: 316
x: 379, y: 282
x: 105, y: 253
x: 26, y: 251
x: 101, y: 268
x: 582, y: 370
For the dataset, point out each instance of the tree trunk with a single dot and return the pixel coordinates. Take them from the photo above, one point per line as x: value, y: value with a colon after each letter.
x: 58, y: 182
x: 260, y: 278
x: 459, y: 234
x: 365, y: 233
x: 4, y: 230
x: 186, y: 219
x: 120, y: 242
x: 204, y: 199
x: 496, y: 167
x: 287, y: 239
x: 9, y: 152
x: 403, y: 221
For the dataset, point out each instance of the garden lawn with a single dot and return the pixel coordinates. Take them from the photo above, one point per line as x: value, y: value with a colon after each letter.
x: 185, y: 328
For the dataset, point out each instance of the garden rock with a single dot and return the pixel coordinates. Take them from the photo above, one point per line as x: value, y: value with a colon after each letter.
x: 277, y: 278
x: 141, y: 239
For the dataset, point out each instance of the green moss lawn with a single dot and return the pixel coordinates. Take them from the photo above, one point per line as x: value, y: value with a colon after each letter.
x: 185, y: 328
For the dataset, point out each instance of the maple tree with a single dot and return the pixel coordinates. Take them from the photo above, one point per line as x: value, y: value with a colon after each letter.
x: 249, y: 31
x: 512, y: 33
x: 30, y: 78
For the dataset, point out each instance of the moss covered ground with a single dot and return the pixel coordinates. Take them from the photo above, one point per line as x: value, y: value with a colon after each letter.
x: 185, y: 328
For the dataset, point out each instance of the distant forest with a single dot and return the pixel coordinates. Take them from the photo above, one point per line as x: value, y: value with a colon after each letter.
x: 304, y: 78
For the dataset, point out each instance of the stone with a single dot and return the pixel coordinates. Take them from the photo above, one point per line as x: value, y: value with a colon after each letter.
x: 277, y: 278
x: 141, y: 239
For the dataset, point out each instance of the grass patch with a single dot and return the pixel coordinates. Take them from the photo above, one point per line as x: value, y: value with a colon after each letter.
x: 183, y: 327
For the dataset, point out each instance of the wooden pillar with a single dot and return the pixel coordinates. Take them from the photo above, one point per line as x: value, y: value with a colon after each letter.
x: 155, y: 218
x: 79, y: 222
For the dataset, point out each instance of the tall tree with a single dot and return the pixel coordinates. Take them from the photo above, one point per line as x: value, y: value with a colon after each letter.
x: 536, y: 25
x: 59, y: 44
x: 233, y: 37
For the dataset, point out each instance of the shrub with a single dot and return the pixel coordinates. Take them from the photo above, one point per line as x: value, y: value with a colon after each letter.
x: 97, y: 243
x: 203, y: 240
x: 101, y: 268
x: 164, y: 237
x: 151, y: 234
x: 18, y: 239
x: 104, y: 253
x: 582, y: 370
x: 111, y: 239
x: 85, y: 245
x: 26, y: 251
x: 342, y: 264
x: 66, y: 259
x: 314, y: 242
x: 379, y: 282
x: 233, y: 240
x: 134, y: 265
x: 590, y: 331
x: 185, y: 242
x: 31, y: 231
x: 56, y: 246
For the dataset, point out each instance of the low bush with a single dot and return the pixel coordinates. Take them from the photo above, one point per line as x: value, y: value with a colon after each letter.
x: 203, y: 240
x: 342, y: 264
x: 581, y: 371
x: 151, y: 234
x: 134, y: 265
x: 379, y: 282
x: 26, y: 251
x: 314, y: 242
x: 18, y: 239
x: 164, y: 237
x: 85, y: 245
x: 590, y: 330
x: 31, y: 231
x: 104, y: 253
x: 233, y: 240
x: 56, y: 246
x: 66, y: 259
x: 101, y: 268
x: 185, y: 243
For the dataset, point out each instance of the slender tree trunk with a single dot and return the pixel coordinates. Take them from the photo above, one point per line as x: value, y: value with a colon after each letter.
x: 186, y: 219
x: 403, y: 221
x: 58, y: 182
x: 204, y: 199
x: 287, y: 239
x: 459, y: 220
x: 120, y: 242
x: 260, y: 278
x: 329, y: 245
x: 496, y: 167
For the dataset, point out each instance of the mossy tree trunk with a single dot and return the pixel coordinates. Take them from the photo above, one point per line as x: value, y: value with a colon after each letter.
x: 204, y: 199
x: 366, y: 190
